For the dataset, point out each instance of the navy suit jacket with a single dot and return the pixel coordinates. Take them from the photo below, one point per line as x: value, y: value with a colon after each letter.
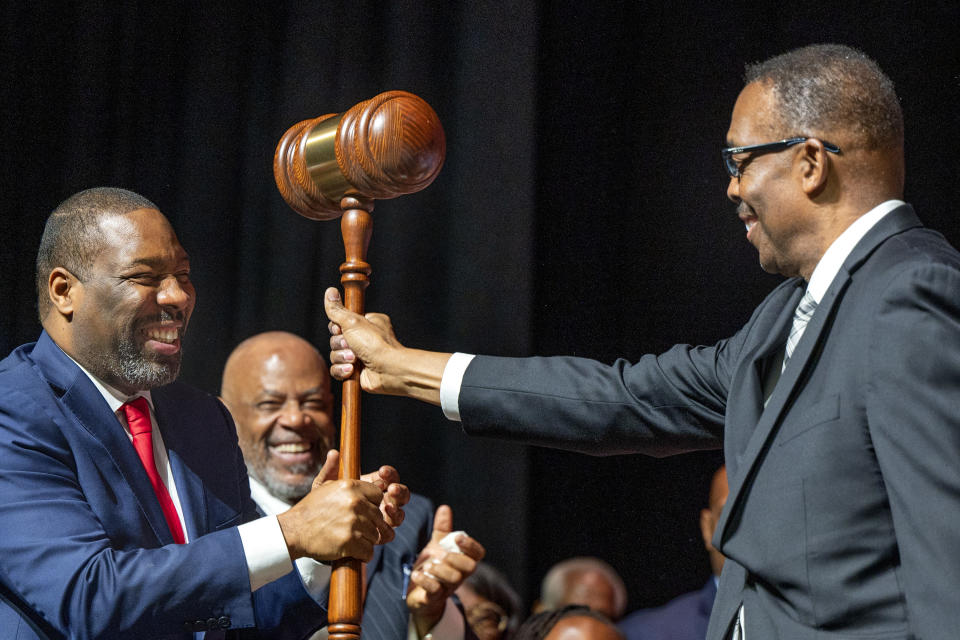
x: 843, y: 518
x: 683, y: 618
x: 85, y: 551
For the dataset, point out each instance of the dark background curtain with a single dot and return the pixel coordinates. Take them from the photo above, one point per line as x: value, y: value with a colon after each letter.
x: 581, y: 209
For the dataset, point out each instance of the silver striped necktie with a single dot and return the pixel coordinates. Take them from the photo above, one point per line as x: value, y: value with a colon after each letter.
x: 800, y: 319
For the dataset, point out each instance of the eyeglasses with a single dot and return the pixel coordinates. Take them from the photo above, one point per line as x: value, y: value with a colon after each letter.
x: 735, y: 169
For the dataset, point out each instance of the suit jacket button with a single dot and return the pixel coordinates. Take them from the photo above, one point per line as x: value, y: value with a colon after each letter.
x: 211, y: 624
x: 225, y: 622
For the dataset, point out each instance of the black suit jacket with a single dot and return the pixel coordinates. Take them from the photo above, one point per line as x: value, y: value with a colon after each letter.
x: 843, y: 519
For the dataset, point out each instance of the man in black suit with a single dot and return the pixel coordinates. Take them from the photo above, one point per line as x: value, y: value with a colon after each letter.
x: 278, y: 391
x: 836, y: 404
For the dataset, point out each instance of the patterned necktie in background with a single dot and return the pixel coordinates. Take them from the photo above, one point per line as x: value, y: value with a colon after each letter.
x: 137, y: 412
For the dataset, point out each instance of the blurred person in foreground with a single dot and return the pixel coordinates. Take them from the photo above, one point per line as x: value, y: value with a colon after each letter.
x: 571, y: 622
x: 492, y: 606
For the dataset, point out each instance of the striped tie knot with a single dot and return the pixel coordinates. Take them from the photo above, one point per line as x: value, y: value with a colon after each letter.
x: 800, y: 319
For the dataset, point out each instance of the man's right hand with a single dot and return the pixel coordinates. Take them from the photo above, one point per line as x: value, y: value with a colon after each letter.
x: 388, y: 366
x: 337, y: 519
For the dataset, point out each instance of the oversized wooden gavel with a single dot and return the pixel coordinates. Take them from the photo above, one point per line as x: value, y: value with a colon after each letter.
x: 337, y: 165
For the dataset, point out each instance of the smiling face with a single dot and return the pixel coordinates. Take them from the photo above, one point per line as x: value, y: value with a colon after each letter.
x: 130, y: 311
x: 768, y: 194
x: 277, y: 389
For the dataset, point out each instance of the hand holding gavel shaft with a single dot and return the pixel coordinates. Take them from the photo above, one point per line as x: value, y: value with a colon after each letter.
x: 388, y: 366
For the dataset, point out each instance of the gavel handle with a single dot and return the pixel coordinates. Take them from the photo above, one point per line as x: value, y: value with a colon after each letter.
x: 346, y: 584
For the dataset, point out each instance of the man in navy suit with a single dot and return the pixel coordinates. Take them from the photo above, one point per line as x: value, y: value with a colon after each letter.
x: 686, y: 616
x: 277, y: 389
x: 836, y: 403
x: 108, y: 462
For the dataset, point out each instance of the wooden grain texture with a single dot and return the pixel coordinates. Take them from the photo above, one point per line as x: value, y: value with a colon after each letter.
x: 388, y: 146
x: 333, y: 166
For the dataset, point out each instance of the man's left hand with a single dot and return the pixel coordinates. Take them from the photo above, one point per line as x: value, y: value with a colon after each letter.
x: 438, y: 572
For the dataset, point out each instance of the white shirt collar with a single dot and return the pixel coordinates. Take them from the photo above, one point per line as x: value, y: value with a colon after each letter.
x: 826, y: 270
x: 271, y: 504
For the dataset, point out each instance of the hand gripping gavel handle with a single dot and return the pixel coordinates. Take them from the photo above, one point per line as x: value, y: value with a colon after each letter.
x: 337, y: 165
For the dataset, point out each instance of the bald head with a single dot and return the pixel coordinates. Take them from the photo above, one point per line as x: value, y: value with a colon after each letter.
x: 583, y: 627
x: 584, y: 581
x: 251, y: 355
x: 570, y: 622
x: 277, y: 388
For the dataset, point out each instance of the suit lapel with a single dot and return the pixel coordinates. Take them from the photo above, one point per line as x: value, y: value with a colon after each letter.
x: 178, y: 442
x: 91, y: 412
x: 896, y: 221
x: 747, y: 407
x: 780, y: 398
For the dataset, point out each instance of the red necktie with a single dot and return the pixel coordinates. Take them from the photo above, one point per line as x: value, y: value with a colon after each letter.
x: 138, y: 419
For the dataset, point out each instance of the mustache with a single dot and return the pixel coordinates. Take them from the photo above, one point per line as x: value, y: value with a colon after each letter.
x: 163, y: 316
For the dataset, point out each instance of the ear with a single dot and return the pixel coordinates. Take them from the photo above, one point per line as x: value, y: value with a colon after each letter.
x: 64, y: 290
x: 815, y: 167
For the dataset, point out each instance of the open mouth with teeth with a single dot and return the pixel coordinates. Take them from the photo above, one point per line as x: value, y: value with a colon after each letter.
x: 293, y: 451
x: 163, y: 340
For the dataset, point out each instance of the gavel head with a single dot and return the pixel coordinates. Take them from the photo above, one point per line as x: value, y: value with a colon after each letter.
x: 385, y: 147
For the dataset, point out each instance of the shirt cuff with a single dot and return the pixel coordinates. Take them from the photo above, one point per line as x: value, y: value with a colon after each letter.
x: 450, y: 384
x: 450, y: 626
x: 315, y: 577
x: 265, y: 550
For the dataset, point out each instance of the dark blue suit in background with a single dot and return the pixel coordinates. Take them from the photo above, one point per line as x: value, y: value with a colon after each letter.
x: 84, y: 548
x: 683, y: 618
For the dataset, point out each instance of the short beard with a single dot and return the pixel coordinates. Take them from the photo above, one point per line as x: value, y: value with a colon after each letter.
x: 128, y: 365
x: 287, y: 491
x: 135, y: 370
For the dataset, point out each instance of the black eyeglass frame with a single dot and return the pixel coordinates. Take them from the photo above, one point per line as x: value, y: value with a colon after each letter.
x: 733, y: 169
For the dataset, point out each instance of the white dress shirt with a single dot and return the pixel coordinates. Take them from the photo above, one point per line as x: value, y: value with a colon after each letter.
x: 263, y: 544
